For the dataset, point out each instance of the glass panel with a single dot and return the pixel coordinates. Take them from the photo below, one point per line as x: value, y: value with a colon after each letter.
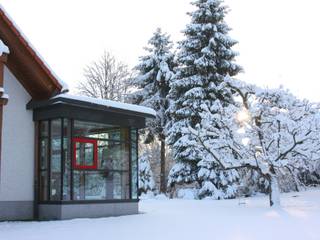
x: 121, y: 185
x: 43, y: 160
x: 113, y: 155
x: 55, y: 175
x: 111, y: 179
x: 44, y: 129
x: 134, y: 164
x: 43, y: 185
x: 89, y: 185
x: 78, y: 185
x: 100, y: 130
x: 119, y: 134
x: 66, y: 159
x: 44, y: 153
x: 94, y: 185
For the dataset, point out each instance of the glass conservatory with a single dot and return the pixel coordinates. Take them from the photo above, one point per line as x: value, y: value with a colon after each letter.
x: 87, y: 164
x: 82, y: 160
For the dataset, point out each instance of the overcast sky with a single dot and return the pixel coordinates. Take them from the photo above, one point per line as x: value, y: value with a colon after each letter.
x: 279, y: 40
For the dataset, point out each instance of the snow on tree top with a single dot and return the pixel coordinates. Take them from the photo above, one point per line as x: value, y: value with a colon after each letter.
x: 110, y: 103
x: 3, y: 48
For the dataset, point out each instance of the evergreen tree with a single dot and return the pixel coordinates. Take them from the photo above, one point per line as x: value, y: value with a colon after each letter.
x: 154, y: 74
x: 205, y: 60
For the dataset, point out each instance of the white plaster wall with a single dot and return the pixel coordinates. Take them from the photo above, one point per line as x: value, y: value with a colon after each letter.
x: 17, y: 158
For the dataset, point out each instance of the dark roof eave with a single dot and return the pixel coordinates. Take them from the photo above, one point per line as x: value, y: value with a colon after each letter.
x: 83, y: 104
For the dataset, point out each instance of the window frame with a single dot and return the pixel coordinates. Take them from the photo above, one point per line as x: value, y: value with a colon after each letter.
x: 84, y: 140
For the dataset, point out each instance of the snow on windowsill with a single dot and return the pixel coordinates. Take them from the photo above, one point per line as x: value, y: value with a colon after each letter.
x: 109, y: 103
x: 5, y: 96
x: 3, y: 48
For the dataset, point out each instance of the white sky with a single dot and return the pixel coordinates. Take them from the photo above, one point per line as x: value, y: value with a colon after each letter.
x: 279, y: 40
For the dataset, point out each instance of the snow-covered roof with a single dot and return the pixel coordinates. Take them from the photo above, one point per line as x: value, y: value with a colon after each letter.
x: 64, y: 85
x: 3, y: 48
x: 109, y: 104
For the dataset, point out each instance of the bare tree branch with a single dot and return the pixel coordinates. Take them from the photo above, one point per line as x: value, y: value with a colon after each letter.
x: 106, y: 78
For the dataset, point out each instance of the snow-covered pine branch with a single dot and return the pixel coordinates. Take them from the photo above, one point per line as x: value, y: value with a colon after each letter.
x: 155, y: 72
x: 205, y: 59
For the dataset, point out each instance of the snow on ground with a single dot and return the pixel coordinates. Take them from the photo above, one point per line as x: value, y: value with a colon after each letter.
x: 164, y: 219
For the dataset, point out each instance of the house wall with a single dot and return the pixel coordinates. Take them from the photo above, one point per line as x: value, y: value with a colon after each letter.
x: 17, y: 157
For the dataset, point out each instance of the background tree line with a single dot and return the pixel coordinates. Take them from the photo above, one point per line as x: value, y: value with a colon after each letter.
x: 227, y: 138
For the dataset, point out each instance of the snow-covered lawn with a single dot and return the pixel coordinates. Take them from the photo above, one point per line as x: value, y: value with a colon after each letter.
x: 299, y: 218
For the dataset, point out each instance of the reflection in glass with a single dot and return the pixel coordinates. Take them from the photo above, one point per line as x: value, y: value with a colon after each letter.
x: 92, y: 185
x: 121, y: 185
x: 43, y: 194
x: 43, y: 155
x: 134, y: 164
x: 113, y: 155
x: 44, y: 128
x: 67, y: 159
x: 100, y: 131
x: 55, y: 154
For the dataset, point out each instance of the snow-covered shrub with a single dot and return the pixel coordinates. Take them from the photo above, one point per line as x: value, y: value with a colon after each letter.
x: 251, y: 183
x: 161, y: 196
x: 182, y: 173
x: 147, y: 195
x: 146, y: 181
x: 179, y: 189
x: 188, y: 193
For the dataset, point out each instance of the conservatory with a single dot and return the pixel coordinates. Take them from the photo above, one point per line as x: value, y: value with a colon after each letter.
x: 87, y: 157
x: 61, y: 156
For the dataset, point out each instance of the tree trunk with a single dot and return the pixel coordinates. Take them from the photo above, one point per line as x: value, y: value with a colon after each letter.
x: 274, y: 191
x: 163, y: 185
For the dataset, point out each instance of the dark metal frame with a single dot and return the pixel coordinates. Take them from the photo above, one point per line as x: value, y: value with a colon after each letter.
x: 137, y: 157
x: 62, y: 159
x: 71, y: 155
x: 64, y: 110
x: 70, y: 202
x: 130, y: 163
x: 49, y: 162
x: 36, y: 173
x: 85, y: 105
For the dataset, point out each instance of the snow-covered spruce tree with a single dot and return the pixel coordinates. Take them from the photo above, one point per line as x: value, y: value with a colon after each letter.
x: 205, y: 59
x: 146, y: 180
x: 155, y: 71
x: 274, y: 134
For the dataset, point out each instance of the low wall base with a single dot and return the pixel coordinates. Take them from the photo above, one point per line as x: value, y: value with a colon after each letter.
x: 86, y: 210
x: 16, y: 210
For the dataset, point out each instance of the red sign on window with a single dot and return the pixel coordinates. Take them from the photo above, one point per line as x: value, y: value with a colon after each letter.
x: 85, y: 153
